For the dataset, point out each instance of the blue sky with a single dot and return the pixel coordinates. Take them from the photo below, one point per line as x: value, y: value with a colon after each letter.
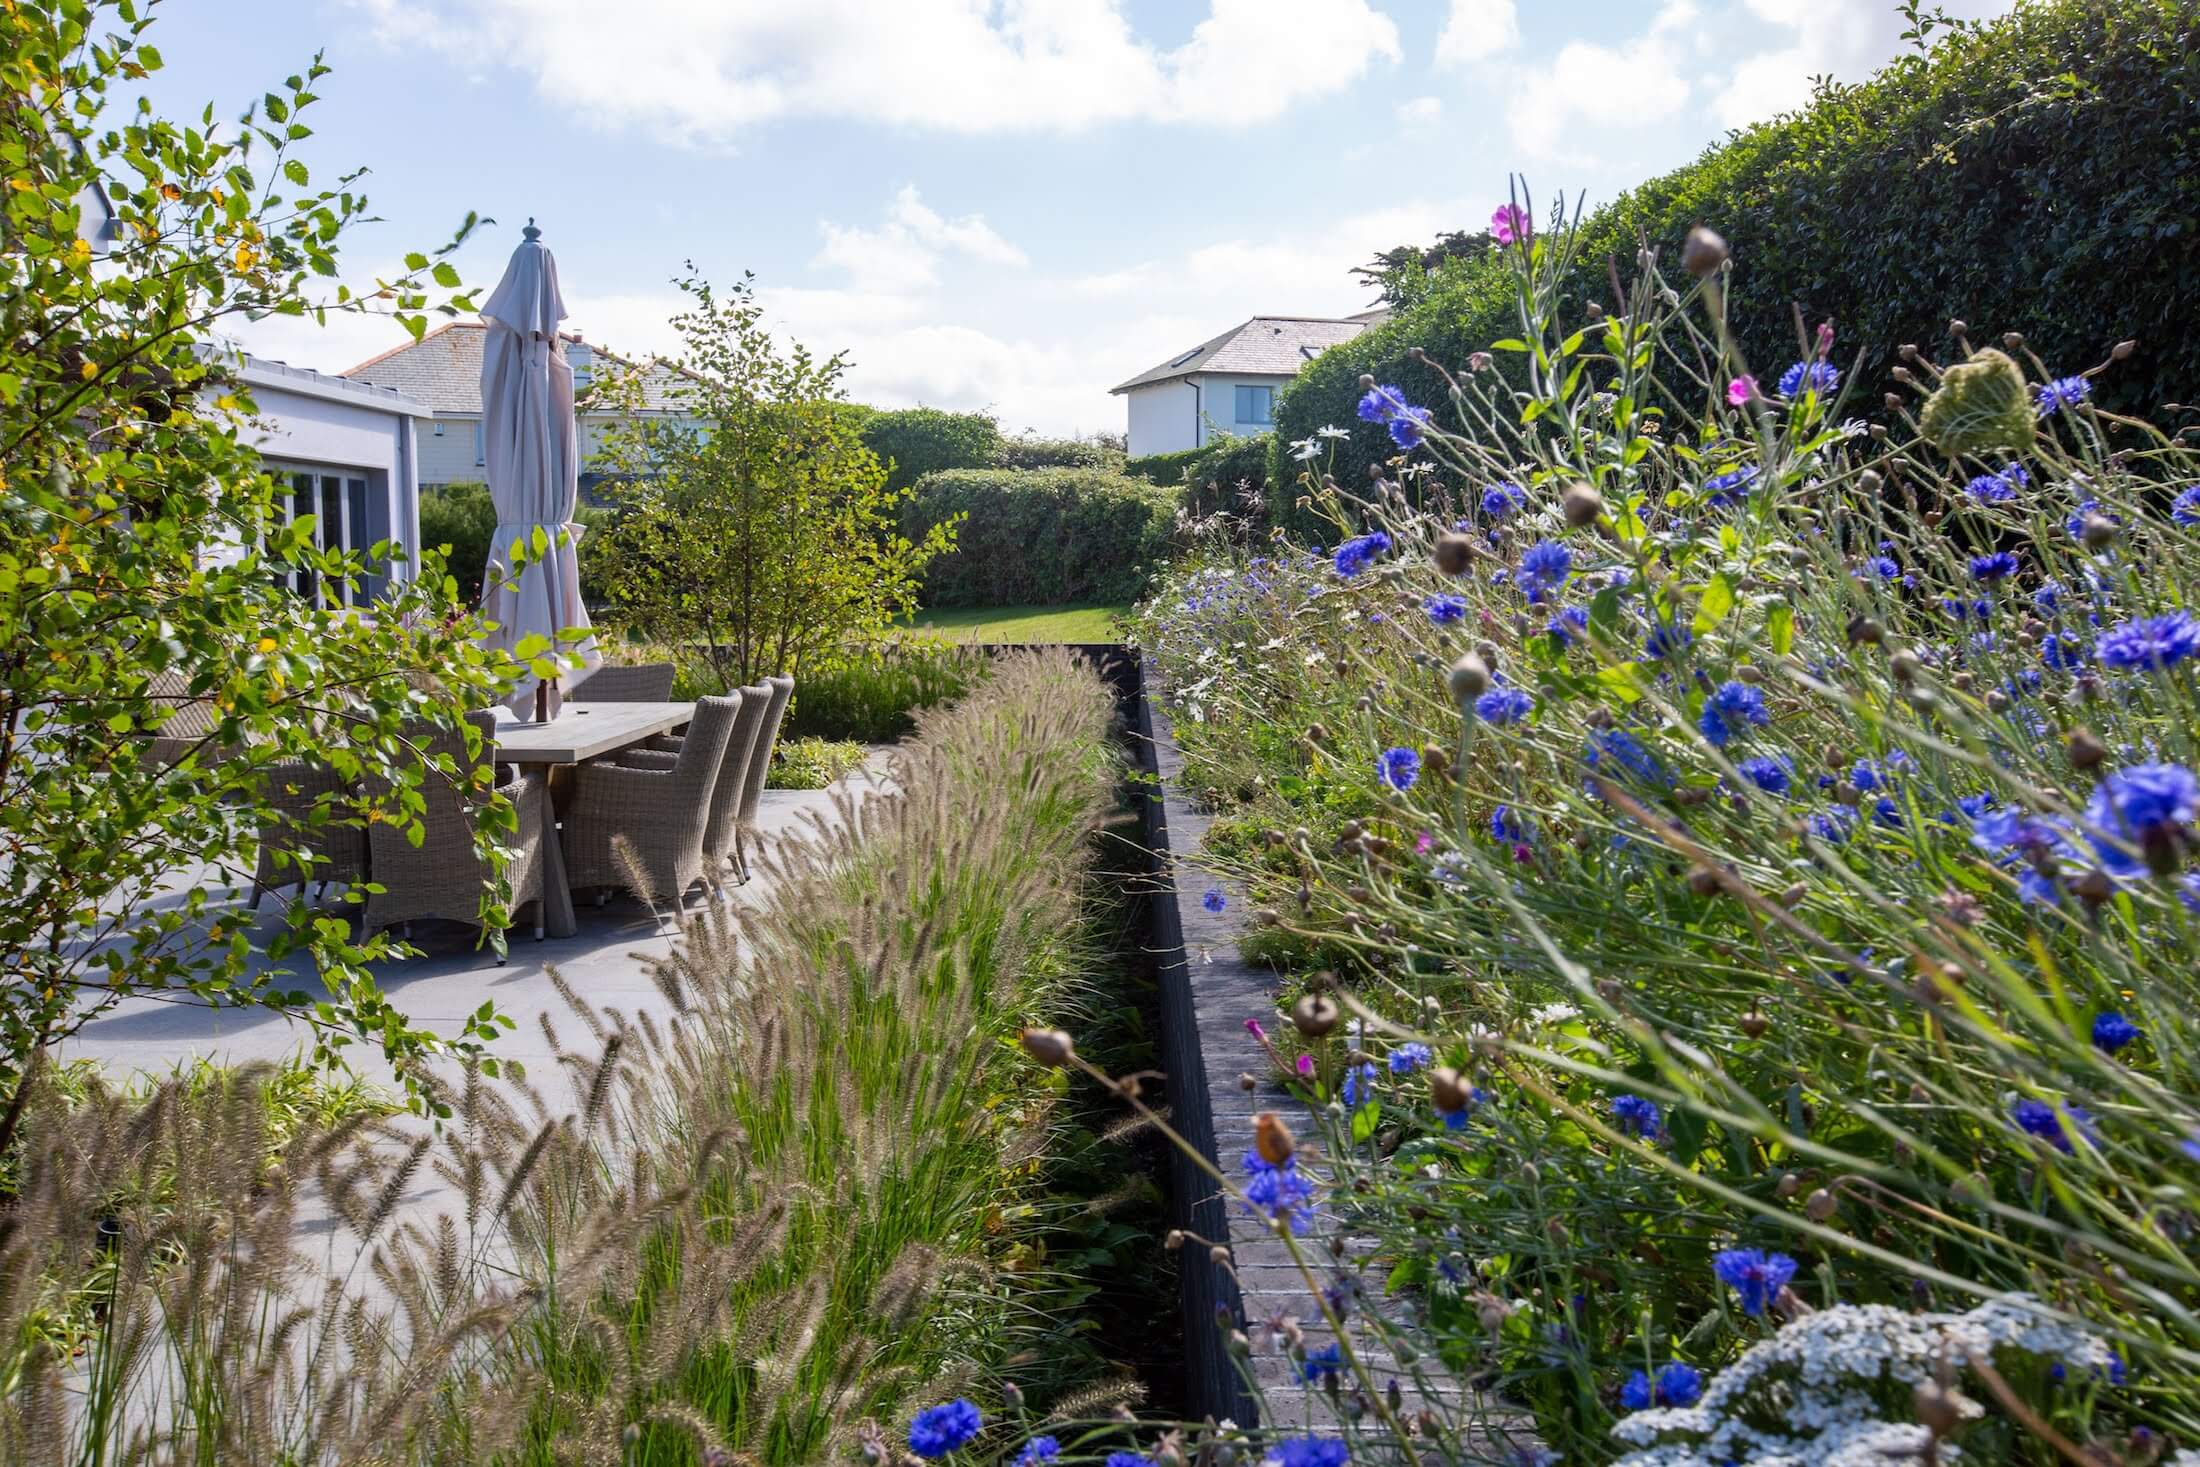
x: 1001, y: 204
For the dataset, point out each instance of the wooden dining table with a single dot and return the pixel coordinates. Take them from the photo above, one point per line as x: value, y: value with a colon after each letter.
x: 581, y: 731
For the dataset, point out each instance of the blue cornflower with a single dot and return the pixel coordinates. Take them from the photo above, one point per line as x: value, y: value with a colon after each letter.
x: 1679, y: 1385
x: 1618, y: 746
x: 1310, y: 1451
x: 1456, y: 1120
x: 1356, y: 554
x: 1128, y: 1459
x: 1320, y: 1364
x: 1503, y: 706
x: 2074, y: 522
x: 1771, y: 773
x: 1568, y: 624
x: 2048, y: 597
x: 1833, y: 825
x: 2112, y: 1031
x: 1359, y: 1084
x: 1405, y: 428
x: 1398, y: 767
x: 2153, y: 642
x: 2061, y: 653
x: 2147, y: 805
x: 1638, y: 1116
x: 1819, y: 377
x: 1866, y: 775
x: 938, y: 1430
x: 1445, y: 610
x: 2052, y: 1123
x: 1214, y: 900
x: 1886, y: 567
x: 1754, y: 1274
x: 1381, y: 404
x: 1731, y: 487
x: 1999, y: 566
x: 2063, y: 392
x: 2185, y: 508
x: 1666, y: 639
x: 1886, y: 812
x: 1962, y: 610
x: 1409, y: 1057
x: 1507, y: 828
x: 1730, y: 710
x: 1996, y: 488
x: 1544, y: 567
x: 1501, y: 499
x: 1038, y: 1449
x: 1636, y: 1395
x: 1279, y: 1191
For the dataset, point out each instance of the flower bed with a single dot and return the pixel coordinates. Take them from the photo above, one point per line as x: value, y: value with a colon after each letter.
x: 1752, y: 848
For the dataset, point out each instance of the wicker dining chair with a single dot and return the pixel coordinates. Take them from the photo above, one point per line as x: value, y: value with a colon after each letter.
x: 444, y: 875
x: 760, y: 767
x: 310, y: 838
x: 657, y: 815
x: 650, y: 682
x: 187, y: 725
x: 725, y: 797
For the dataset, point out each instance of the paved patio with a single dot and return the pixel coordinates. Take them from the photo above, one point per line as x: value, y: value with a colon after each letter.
x: 604, y: 962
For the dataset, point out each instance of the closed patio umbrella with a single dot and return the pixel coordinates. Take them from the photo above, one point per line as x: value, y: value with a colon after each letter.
x: 532, y: 453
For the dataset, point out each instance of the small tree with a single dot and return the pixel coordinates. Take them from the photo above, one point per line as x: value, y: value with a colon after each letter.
x: 145, y: 569
x: 754, y: 530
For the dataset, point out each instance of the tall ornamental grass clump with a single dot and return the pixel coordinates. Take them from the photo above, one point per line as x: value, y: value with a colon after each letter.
x: 758, y: 1231
x: 1747, y: 818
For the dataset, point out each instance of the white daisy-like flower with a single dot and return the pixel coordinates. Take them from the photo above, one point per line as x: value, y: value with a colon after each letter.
x: 1330, y: 430
x: 1303, y: 449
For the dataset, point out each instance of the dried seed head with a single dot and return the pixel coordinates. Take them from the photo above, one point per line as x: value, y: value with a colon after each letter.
x: 2098, y: 532
x: 1446, y: 1091
x: 1248, y: 1082
x: 1469, y: 678
x: 1272, y: 1138
x: 1582, y: 505
x: 1316, y: 1014
x: 1454, y: 553
x: 2084, y: 749
x: 1793, y: 896
x: 1905, y: 665
x: 1703, y: 253
x: 1788, y: 1185
x: 2122, y: 350
x: 1050, y: 1047
x: 2012, y: 340
x: 1866, y: 630
x: 1703, y: 880
x: 1754, y: 1023
x: 1819, y: 1205
x: 1939, y: 1408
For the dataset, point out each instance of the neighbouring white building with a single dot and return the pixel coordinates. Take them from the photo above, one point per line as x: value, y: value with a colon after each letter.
x: 349, y: 453
x: 443, y: 371
x: 1227, y: 386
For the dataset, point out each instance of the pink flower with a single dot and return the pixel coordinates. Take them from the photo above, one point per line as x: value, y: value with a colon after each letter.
x: 1423, y: 843
x: 1252, y: 1027
x: 1825, y: 336
x: 1510, y: 223
x: 1306, y: 1066
x: 1741, y: 390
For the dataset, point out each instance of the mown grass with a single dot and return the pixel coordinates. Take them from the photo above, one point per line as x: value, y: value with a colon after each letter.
x: 994, y: 624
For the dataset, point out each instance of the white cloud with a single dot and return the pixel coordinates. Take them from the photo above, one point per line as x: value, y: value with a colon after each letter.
x: 708, y: 71
x: 1587, y: 92
x: 1476, y: 30
x: 1417, y: 113
x: 1847, y: 39
x: 904, y: 253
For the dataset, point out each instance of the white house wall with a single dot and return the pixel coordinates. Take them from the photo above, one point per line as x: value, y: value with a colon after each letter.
x: 450, y: 457
x: 309, y: 430
x: 1163, y: 419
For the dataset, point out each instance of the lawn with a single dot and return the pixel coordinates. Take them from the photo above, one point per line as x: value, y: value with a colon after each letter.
x: 1025, y: 623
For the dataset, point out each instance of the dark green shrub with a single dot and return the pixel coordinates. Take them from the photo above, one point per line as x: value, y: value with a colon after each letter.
x: 463, y: 518
x: 913, y: 442
x: 1042, y: 537
x: 873, y: 695
x: 1226, y: 473
x: 1030, y: 452
x: 2038, y: 173
x: 1166, y: 469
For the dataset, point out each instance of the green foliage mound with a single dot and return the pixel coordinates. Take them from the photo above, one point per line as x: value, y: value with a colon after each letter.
x: 1045, y: 537
x: 913, y: 442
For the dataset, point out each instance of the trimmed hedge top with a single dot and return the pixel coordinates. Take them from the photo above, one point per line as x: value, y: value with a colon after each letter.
x: 2038, y: 173
x: 1042, y: 537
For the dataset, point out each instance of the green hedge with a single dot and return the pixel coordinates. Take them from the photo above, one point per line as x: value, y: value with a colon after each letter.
x: 1225, y: 469
x: 1165, y: 469
x: 2038, y: 173
x: 913, y: 442
x: 1042, y: 537
x: 1029, y: 452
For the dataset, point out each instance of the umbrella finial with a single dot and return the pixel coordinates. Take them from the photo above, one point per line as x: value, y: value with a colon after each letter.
x: 530, y: 232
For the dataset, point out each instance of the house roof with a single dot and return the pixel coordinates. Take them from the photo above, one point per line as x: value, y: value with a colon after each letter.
x: 1266, y: 346
x: 307, y: 382
x: 443, y: 370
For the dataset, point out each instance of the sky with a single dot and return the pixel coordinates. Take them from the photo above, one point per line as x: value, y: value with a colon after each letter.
x: 1006, y: 205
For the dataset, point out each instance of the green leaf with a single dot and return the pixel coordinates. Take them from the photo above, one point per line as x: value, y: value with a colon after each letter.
x: 1717, y: 601
x: 446, y: 275
x: 295, y: 171
x: 416, y: 261
x: 1780, y: 627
